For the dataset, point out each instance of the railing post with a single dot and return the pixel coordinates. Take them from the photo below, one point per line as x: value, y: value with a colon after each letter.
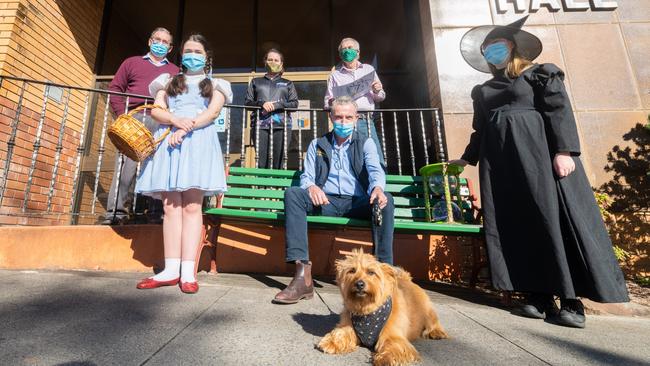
x: 299, y: 147
x: 12, y: 141
x: 383, y: 137
x: 368, y: 125
x: 441, y: 147
x: 257, y: 138
x: 37, y: 146
x: 57, y: 156
x: 315, y: 120
x: 399, y: 154
x: 424, y: 140
x: 285, y: 148
x: 81, y: 149
x: 137, y: 167
x: 243, y: 135
x: 100, y: 151
x: 120, y: 166
x: 269, y: 156
x: 227, y: 125
x: 408, y: 125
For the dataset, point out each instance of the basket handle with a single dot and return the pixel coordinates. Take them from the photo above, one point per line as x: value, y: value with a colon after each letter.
x: 143, y: 107
x: 151, y: 106
x: 162, y: 137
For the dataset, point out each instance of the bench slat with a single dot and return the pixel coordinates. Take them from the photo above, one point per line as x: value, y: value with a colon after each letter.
x: 400, y: 224
x: 437, y: 226
x: 266, y: 182
x: 404, y: 188
x: 257, y: 193
x: 279, y: 194
x: 272, y: 173
x: 410, y: 212
x: 283, y: 182
x: 252, y: 203
x: 244, y: 203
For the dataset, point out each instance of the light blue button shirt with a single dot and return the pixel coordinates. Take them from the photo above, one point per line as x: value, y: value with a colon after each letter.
x: 341, y: 180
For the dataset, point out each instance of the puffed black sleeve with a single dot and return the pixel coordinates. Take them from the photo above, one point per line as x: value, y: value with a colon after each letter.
x: 552, y: 101
x: 471, y: 154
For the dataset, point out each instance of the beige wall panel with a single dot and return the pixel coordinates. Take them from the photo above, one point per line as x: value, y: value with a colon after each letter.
x: 637, y: 39
x: 586, y: 17
x: 456, y: 77
x: 601, y: 76
x: 633, y: 10
x: 601, y: 131
x: 456, y: 13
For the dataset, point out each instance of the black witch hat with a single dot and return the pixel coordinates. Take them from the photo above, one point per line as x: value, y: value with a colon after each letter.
x: 528, y: 45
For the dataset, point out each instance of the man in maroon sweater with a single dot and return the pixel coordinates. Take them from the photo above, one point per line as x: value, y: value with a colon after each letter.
x: 133, y: 77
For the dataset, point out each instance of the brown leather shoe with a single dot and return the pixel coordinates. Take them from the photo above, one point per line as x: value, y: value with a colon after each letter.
x: 301, y: 286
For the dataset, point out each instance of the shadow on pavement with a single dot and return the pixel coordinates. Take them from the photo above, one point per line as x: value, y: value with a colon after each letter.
x: 593, y: 354
x: 316, y: 324
x: 475, y: 296
x: 272, y: 283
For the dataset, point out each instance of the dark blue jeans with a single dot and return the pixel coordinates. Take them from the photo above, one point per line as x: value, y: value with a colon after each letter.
x: 297, y: 205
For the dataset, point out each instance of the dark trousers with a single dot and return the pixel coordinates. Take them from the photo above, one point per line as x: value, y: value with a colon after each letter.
x: 119, y: 209
x: 297, y: 205
x: 264, y: 146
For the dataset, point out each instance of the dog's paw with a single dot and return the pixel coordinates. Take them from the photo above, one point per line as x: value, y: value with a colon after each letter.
x: 436, y: 333
x: 396, y: 353
x: 337, y: 342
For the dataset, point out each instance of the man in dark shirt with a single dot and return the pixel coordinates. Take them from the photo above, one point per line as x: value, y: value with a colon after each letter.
x: 133, y: 77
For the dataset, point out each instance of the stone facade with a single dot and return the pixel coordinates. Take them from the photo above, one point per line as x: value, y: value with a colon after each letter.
x: 604, y: 53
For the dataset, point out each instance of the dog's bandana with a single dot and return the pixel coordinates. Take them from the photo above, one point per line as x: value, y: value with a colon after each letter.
x: 368, y: 327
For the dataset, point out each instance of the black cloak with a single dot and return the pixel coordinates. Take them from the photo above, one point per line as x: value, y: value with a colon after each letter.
x: 544, y: 234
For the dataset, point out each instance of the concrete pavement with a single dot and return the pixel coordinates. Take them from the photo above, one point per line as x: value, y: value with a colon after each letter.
x: 100, y: 318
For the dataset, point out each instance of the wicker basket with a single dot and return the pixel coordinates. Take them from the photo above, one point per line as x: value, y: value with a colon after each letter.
x: 131, y: 137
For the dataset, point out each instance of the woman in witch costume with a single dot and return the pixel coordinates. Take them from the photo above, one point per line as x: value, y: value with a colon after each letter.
x: 545, y: 236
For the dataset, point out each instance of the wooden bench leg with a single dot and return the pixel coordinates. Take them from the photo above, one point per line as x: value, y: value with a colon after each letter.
x: 209, y: 235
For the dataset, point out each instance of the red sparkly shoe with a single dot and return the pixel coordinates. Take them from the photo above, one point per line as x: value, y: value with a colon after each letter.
x: 190, y: 287
x: 149, y: 283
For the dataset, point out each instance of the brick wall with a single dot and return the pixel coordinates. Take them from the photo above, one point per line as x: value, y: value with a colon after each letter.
x: 54, y: 40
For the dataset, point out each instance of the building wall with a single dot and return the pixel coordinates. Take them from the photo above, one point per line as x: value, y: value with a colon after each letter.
x: 604, y: 54
x: 54, y: 40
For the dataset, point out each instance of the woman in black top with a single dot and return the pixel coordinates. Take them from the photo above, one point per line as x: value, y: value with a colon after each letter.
x: 543, y: 229
x: 273, y: 94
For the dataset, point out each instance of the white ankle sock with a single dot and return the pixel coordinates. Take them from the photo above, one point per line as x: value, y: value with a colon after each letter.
x: 187, y: 271
x: 171, y: 271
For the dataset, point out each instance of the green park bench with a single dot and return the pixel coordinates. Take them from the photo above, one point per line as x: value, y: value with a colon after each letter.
x: 258, y: 194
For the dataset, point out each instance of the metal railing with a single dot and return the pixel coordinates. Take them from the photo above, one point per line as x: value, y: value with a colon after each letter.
x: 58, y: 166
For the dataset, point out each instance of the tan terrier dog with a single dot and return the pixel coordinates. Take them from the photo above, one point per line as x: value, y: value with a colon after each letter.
x: 384, y: 311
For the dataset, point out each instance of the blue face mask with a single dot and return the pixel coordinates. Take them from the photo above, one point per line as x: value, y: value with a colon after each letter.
x: 159, y: 49
x: 343, y: 130
x: 497, y: 53
x: 193, y: 61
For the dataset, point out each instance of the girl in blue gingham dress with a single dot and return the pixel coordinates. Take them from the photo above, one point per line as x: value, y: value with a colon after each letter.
x: 188, y: 164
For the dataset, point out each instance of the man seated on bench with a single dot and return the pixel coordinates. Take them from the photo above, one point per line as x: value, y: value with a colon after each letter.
x: 342, y: 177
